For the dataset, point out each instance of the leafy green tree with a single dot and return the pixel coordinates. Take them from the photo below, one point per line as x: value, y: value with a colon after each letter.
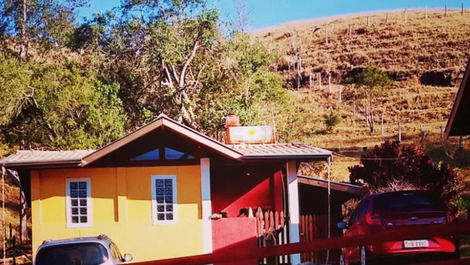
x: 185, y: 68
x: 370, y: 83
x: 42, y: 21
x: 57, y: 106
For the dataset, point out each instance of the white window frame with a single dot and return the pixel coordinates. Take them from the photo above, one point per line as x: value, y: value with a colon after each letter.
x: 69, y: 205
x: 154, y: 200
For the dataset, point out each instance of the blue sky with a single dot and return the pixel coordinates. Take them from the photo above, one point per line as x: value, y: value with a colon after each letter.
x: 265, y: 13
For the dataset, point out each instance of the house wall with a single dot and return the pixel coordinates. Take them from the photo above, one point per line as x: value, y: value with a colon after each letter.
x: 121, y: 209
x: 234, y: 188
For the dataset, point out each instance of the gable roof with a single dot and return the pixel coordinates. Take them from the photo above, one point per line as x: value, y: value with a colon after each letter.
x: 458, y: 123
x: 82, y: 158
x: 163, y: 121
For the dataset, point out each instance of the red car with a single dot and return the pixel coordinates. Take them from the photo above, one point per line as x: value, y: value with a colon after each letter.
x: 380, y: 212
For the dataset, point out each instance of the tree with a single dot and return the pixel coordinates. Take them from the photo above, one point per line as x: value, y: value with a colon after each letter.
x: 370, y: 83
x: 46, y: 21
x: 392, y: 166
x: 57, y: 107
x: 184, y: 67
x: 331, y: 120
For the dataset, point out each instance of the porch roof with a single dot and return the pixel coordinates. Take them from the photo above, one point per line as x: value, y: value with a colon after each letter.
x: 334, y: 185
x: 243, y: 152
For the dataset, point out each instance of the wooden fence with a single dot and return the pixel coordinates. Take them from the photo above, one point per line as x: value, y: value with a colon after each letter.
x: 399, y: 234
x: 313, y: 227
x: 271, y: 231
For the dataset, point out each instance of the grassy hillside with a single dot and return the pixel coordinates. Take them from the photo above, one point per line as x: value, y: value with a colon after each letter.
x: 425, y: 56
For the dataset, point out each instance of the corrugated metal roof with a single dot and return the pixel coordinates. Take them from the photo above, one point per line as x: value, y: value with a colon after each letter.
x: 249, y: 151
x: 239, y: 152
x: 334, y: 185
x: 280, y: 150
x: 45, y: 157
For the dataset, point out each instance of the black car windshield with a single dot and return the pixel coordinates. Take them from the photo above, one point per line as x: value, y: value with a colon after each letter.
x: 73, y: 254
x: 405, y: 201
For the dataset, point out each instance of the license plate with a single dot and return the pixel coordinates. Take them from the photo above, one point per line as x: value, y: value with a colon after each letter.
x: 416, y: 243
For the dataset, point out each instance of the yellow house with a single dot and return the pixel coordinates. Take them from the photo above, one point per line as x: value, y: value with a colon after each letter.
x: 154, y: 190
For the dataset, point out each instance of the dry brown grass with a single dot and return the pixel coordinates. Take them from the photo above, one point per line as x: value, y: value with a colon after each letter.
x: 406, y: 50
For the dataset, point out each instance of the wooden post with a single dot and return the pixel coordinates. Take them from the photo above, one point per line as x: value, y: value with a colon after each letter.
x: 442, y: 134
x: 461, y: 10
x: 406, y: 16
x: 368, y: 23
x: 349, y: 30
x: 339, y: 95
x: 399, y: 132
x: 422, y: 132
x: 354, y: 111
x: 426, y: 13
x: 10, y: 238
x: 445, y: 10
x: 326, y: 35
x: 329, y: 82
x: 319, y: 80
x: 386, y: 18
x: 310, y: 80
x: 382, y: 123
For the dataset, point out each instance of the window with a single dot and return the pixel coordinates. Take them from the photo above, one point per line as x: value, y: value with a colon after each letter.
x: 79, y: 253
x: 78, y: 202
x: 149, y: 156
x: 172, y: 154
x: 161, y: 154
x: 164, y: 199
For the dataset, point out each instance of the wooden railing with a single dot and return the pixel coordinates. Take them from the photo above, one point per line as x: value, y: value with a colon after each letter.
x: 271, y: 231
x: 239, y: 254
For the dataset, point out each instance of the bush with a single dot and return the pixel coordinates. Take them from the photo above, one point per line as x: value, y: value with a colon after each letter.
x: 392, y: 167
x: 331, y: 120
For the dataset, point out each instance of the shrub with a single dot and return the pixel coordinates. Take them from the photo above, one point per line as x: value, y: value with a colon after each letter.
x: 331, y: 120
x: 391, y: 167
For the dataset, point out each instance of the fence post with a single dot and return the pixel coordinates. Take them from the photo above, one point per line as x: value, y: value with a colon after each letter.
x: 319, y: 80
x: 382, y: 123
x: 442, y: 134
x: 326, y: 35
x: 445, y: 10
x: 329, y: 82
x: 399, y: 132
x: 339, y: 95
x: 406, y: 16
x: 461, y: 11
x: 426, y: 13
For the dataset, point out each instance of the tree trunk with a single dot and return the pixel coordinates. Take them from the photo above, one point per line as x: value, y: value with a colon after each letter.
x: 23, y: 52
